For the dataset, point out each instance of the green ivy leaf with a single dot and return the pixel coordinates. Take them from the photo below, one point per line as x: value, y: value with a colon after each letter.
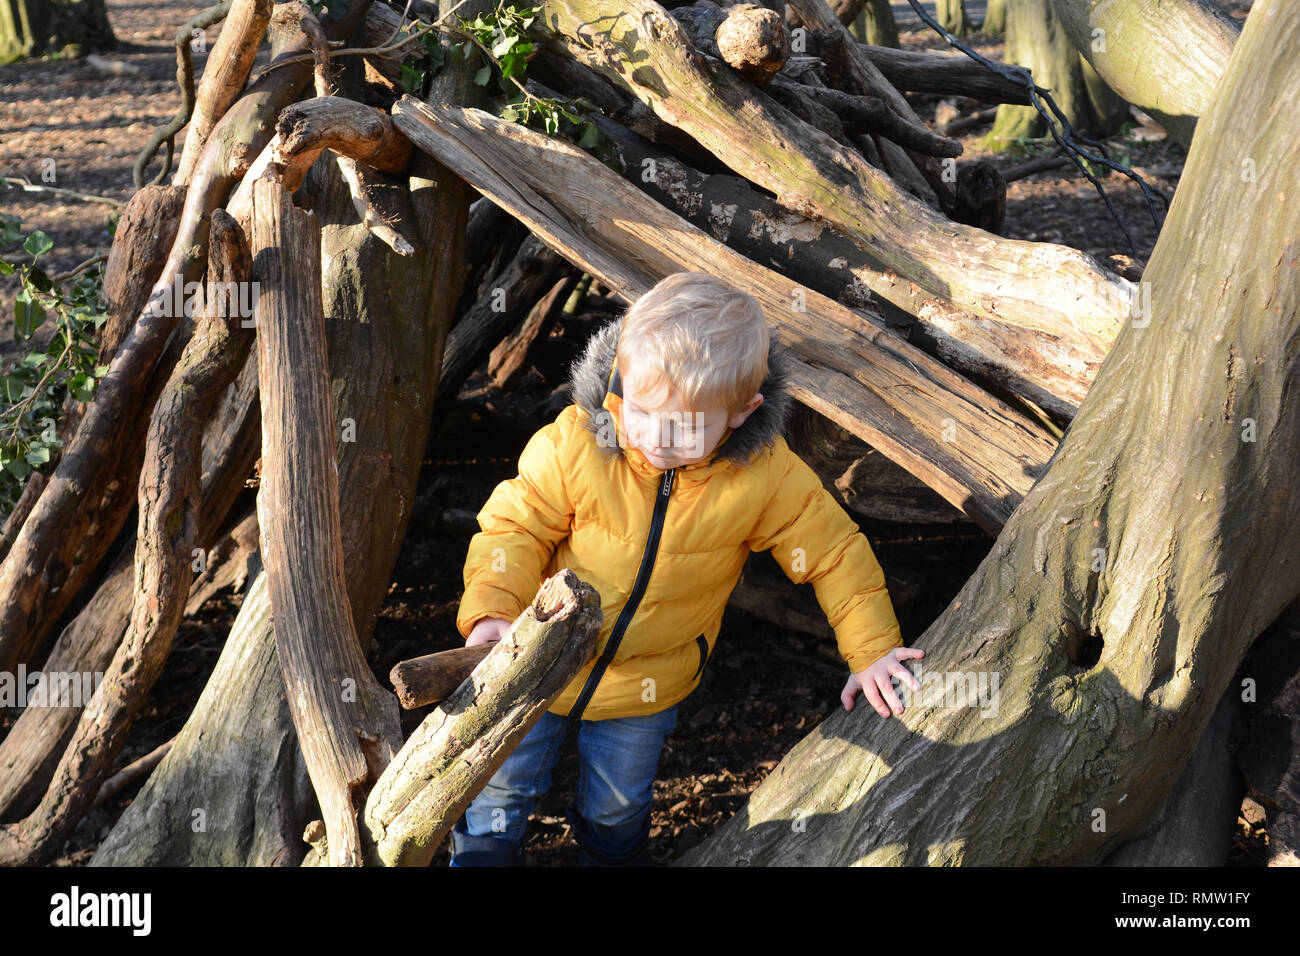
x: 412, y: 79
x: 38, y: 243
x: 483, y: 75
x: 28, y: 315
x: 12, y: 228
x: 590, y: 136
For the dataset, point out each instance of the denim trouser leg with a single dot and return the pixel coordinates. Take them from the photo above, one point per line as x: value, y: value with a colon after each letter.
x: 492, y: 830
x: 619, y: 758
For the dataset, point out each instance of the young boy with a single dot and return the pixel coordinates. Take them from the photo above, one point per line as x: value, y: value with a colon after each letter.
x: 653, y: 487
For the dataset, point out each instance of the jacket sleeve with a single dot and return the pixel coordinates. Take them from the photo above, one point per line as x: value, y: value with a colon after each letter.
x: 814, y: 539
x: 521, y: 523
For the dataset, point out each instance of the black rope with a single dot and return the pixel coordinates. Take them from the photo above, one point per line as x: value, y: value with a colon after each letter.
x: 1067, y: 139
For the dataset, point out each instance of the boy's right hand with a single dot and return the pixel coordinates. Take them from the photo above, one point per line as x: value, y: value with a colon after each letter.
x: 487, y: 631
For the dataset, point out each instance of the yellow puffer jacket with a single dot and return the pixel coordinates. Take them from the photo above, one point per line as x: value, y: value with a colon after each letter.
x: 665, y: 549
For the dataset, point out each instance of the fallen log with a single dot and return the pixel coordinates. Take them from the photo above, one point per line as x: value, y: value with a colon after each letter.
x: 751, y: 40
x: 31, y: 749
x: 870, y: 113
x: 1030, y: 284
x: 857, y: 69
x: 347, y: 724
x: 458, y: 747
x: 305, y: 130
x: 237, y: 758
x: 863, y: 377
x: 34, y: 744
x: 386, y: 315
x: 1052, y: 370
x: 866, y: 483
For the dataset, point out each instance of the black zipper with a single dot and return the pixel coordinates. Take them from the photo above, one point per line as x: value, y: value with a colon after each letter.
x: 703, y: 645
x: 633, y: 599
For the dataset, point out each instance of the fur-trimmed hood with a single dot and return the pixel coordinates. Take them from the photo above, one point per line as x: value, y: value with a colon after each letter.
x: 590, y: 379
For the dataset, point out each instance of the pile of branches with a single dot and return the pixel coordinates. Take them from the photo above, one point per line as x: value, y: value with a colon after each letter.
x: 716, y: 139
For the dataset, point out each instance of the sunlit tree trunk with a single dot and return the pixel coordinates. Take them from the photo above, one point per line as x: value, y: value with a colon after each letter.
x: 36, y: 27
x: 1119, y: 600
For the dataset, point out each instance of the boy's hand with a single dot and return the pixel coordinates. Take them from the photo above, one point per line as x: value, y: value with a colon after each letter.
x: 487, y: 631
x: 874, y: 681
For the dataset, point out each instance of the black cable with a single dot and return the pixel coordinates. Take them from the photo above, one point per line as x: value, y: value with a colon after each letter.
x: 1067, y: 139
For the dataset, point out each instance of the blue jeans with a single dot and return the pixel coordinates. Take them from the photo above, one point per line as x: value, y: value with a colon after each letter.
x: 617, y: 761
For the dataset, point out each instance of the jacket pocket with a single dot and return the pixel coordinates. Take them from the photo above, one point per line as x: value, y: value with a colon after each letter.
x: 703, y: 646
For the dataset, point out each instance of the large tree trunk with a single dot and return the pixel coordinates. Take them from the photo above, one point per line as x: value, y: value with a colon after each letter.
x: 1121, y: 596
x: 995, y: 17
x: 875, y: 24
x: 951, y: 15
x: 1165, y: 56
x: 1037, y: 40
x: 71, y: 27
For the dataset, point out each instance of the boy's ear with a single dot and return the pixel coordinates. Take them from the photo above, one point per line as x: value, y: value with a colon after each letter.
x: 745, y: 411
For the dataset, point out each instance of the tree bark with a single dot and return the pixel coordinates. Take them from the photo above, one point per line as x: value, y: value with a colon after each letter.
x: 387, y: 318
x: 347, y: 724
x: 1164, y: 56
x: 1121, y: 596
x: 233, y: 790
x: 69, y: 27
x: 224, y: 76
x: 434, y: 677
x: 948, y: 73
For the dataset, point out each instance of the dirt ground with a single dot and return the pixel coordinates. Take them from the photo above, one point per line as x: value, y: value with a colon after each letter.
x: 763, y: 690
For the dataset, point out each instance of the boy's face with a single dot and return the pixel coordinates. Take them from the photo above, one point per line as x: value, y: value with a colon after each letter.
x: 657, y: 424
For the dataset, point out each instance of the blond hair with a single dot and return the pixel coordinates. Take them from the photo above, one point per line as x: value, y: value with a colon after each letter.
x: 702, y: 338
